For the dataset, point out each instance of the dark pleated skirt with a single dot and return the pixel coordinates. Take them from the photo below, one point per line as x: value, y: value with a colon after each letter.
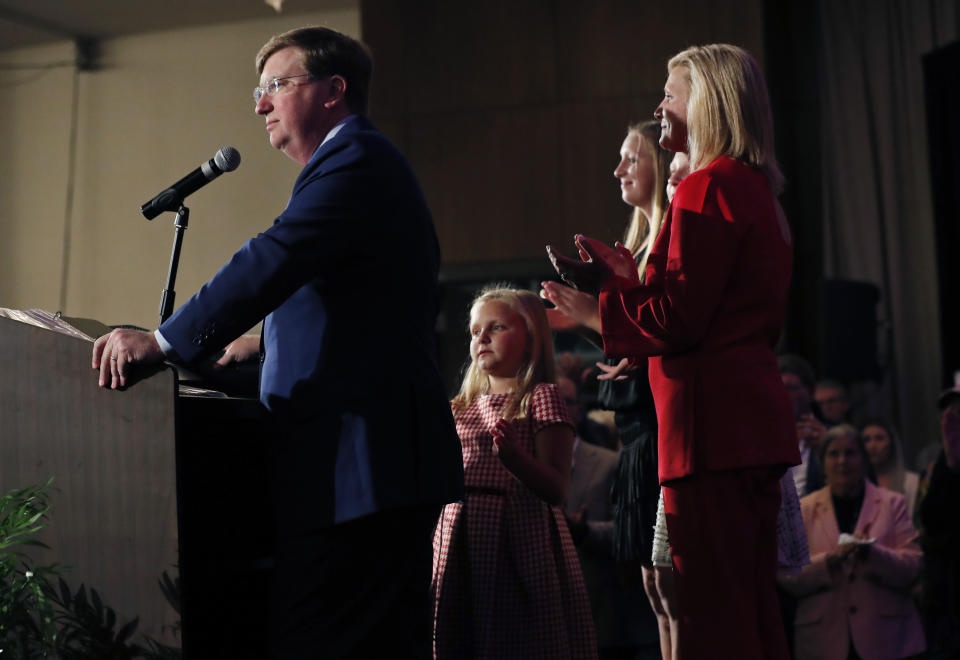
x: 636, y: 487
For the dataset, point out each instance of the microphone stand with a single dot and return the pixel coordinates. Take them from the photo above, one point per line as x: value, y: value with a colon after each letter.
x: 169, y: 295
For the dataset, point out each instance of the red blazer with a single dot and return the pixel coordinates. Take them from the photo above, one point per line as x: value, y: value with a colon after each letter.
x: 707, y: 317
x: 869, y: 603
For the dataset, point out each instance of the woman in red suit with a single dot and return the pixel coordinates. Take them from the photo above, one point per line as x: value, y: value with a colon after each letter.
x: 708, y: 316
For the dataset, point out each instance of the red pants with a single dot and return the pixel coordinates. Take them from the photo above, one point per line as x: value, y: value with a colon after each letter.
x: 723, y: 538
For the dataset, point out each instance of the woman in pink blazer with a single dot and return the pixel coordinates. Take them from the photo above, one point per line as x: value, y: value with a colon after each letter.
x: 854, y: 598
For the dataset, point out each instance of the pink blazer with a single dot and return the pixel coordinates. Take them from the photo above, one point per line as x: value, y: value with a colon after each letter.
x: 869, y: 601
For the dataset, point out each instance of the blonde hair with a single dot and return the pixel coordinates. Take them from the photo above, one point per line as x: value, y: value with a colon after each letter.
x: 540, y: 366
x: 642, y: 231
x: 728, y: 111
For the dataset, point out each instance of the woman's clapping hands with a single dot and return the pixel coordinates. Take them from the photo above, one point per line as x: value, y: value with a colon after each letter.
x: 598, y: 263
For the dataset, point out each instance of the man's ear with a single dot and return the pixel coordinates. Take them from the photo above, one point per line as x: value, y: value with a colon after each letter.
x: 338, y: 91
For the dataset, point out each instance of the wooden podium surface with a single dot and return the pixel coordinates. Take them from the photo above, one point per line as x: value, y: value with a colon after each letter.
x: 112, y: 456
x: 144, y: 480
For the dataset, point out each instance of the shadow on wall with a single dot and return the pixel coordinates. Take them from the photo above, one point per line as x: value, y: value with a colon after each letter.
x: 35, y: 136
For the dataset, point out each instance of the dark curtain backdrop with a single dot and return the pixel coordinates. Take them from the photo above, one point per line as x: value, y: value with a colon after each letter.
x: 941, y: 72
x: 847, y: 81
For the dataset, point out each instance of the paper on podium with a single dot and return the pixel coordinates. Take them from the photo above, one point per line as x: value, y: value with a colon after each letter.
x: 44, y: 319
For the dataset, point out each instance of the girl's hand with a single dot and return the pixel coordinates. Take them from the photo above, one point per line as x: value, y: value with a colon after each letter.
x: 620, y: 371
x: 574, y: 309
x: 505, y: 441
x: 577, y: 523
x: 239, y: 350
x: 546, y: 469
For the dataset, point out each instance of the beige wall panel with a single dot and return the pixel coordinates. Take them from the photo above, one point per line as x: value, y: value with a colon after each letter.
x: 160, y: 105
x: 34, y: 134
x: 491, y: 180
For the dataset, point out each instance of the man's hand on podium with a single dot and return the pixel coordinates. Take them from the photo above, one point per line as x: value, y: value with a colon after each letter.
x: 114, y: 353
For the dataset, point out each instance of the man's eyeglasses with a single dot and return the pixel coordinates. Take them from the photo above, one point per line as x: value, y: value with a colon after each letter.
x: 273, y: 86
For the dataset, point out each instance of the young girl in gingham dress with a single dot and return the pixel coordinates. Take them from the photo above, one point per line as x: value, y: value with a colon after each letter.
x: 506, y: 578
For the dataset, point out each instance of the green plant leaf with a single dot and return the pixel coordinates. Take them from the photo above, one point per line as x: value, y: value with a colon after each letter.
x: 128, y: 629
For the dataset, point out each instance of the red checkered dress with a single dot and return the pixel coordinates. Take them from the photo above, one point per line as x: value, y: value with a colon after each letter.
x: 506, y: 577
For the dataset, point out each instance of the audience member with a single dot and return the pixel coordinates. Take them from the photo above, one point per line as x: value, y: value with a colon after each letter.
x: 940, y: 523
x: 886, y: 457
x: 586, y: 429
x: 507, y: 581
x: 854, y: 597
x: 570, y: 365
x: 833, y: 400
x: 924, y: 461
x: 797, y: 376
x: 625, y: 627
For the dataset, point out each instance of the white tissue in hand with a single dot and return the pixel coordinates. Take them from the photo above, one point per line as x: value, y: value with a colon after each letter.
x: 846, y: 539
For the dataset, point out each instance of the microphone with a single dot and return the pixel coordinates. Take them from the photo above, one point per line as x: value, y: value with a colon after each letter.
x: 171, y: 199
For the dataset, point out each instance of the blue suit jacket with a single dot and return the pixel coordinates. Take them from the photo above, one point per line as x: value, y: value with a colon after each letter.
x: 346, y: 282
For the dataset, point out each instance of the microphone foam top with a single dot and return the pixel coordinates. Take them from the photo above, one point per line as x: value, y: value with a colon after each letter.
x: 227, y: 159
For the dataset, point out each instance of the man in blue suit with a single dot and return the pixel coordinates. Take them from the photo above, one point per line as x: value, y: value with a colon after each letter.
x: 346, y: 283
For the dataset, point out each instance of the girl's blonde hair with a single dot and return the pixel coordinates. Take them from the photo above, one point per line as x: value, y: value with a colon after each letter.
x: 540, y: 366
x: 642, y: 231
x: 728, y: 112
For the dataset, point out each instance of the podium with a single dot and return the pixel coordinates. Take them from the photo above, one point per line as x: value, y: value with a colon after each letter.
x: 226, y: 527
x: 145, y: 479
